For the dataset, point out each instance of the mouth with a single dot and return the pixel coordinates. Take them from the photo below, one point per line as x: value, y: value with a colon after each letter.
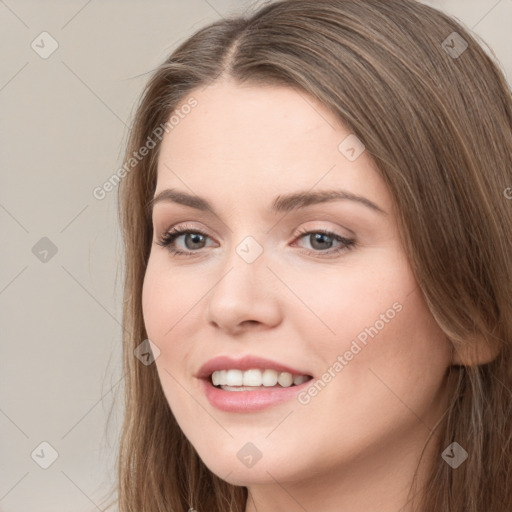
x: 248, y: 391
x: 250, y: 383
x: 255, y: 379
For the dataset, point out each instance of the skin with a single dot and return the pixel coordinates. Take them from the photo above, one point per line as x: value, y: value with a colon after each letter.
x: 355, y: 446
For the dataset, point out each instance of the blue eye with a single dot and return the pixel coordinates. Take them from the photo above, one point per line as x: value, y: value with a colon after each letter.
x: 321, y: 241
x: 195, y: 237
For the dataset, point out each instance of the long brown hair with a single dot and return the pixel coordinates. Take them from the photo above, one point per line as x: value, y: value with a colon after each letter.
x: 436, y: 116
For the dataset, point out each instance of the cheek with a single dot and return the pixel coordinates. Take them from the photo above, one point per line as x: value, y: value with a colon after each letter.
x: 169, y: 318
x: 392, y: 351
x: 167, y: 301
x: 167, y: 314
x: 157, y: 302
x: 392, y: 367
x: 350, y: 298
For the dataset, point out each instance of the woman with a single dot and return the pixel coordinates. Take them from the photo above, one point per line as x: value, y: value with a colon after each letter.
x: 318, y: 246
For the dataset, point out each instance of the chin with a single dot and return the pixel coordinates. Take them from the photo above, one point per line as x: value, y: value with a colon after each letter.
x: 239, y: 464
x: 235, y: 474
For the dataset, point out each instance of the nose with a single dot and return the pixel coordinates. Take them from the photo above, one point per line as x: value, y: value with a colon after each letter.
x: 246, y: 296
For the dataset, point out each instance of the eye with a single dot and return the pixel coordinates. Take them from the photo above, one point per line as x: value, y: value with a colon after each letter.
x: 193, y: 239
x: 321, y: 242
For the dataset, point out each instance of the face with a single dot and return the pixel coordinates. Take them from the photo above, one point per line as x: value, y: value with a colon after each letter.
x: 288, y: 288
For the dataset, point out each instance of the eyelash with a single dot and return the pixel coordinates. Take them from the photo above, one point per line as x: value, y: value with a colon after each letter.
x: 169, y: 237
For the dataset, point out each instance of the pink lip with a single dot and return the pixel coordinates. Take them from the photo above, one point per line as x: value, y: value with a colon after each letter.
x: 247, y: 401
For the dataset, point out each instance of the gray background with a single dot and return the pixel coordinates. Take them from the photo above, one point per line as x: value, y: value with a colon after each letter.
x: 63, y: 127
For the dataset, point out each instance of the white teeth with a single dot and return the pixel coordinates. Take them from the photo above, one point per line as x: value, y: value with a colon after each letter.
x: 252, y: 378
x: 216, y: 378
x: 234, y: 378
x: 299, y: 379
x: 285, y: 379
x: 269, y: 378
x: 255, y: 378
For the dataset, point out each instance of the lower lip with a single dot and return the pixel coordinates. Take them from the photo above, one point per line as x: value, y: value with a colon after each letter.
x: 249, y: 401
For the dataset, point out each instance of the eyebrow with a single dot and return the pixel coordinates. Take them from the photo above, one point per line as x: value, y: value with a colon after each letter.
x: 282, y: 203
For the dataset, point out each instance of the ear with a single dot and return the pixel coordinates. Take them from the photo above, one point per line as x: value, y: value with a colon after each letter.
x: 474, y: 352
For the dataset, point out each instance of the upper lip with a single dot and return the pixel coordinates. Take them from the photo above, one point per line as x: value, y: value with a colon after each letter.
x: 244, y: 363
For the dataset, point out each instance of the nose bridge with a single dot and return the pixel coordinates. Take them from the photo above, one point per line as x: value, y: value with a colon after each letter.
x: 244, y: 289
x: 243, y: 271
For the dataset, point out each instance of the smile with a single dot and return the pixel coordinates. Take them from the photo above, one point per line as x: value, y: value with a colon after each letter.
x: 250, y: 383
x: 238, y: 380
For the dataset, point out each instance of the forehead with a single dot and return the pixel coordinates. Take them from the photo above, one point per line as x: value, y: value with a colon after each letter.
x: 247, y: 116
x: 247, y: 140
